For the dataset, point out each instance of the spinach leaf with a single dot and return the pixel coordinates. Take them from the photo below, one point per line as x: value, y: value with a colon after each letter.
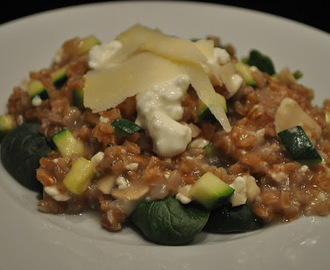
x: 228, y: 219
x: 168, y: 222
x: 21, y: 150
x: 261, y: 61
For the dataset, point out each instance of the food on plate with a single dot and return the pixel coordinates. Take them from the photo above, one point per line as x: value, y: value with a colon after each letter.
x: 170, y: 135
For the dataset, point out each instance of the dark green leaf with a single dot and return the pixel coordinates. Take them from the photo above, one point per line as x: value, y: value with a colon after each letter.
x: 228, y: 219
x: 169, y: 222
x: 261, y: 61
x: 21, y: 150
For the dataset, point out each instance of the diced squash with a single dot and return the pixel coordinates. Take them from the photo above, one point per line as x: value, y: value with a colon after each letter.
x: 80, y: 175
x: 7, y: 123
x: 87, y: 43
x: 246, y: 72
x: 36, y: 88
x: 299, y: 146
x: 59, y: 77
x: 78, y: 98
x: 210, y: 191
x: 67, y: 144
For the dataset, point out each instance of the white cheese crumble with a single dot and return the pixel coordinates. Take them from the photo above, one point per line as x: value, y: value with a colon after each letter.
x: 246, y: 189
x: 132, y: 166
x: 221, y: 56
x: 279, y: 177
x: 183, y: 194
x: 122, y: 182
x: 97, y: 158
x: 239, y: 197
x: 58, y: 55
x: 199, y: 143
x: 235, y: 82
x: 56, y: 194
x: 158, y: 111
x: 304, y: 168
x: 99, y: 55
x: 103, y: 119
x: 36, y: 101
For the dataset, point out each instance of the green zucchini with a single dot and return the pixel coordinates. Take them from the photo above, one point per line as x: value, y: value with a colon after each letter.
x: 327, y: 116
x: 210, y: 191
x: 59, y: 77
x: 36, y: 88
x: 87, y: 43
x: 80, y: 175
x: 78, y: 98
x: 246, y: 72
x: 299, y: 146
x: 67, y: 144
x: 124, y: 127
x: 7, y: 123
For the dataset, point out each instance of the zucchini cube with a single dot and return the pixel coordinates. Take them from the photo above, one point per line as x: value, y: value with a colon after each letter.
x: 211, y: 191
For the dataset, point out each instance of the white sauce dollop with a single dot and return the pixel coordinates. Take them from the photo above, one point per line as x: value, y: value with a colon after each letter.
x: 100, y: 55
x: 158, y: 111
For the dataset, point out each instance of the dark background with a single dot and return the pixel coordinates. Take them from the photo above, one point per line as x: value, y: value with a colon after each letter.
x: 314, y: 13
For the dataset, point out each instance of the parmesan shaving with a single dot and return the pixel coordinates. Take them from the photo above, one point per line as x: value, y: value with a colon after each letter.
x: 140, y: 38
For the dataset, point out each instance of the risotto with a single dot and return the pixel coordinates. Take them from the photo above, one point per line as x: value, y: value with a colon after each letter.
x: 148, y: 116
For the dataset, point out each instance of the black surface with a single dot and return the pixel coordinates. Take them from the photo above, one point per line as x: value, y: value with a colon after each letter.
x: 313, y: 13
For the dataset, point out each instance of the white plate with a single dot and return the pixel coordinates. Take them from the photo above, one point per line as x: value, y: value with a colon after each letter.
x: 31, y: 240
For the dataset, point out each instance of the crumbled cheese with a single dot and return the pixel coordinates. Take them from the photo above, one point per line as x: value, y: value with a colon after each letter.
x: 304, y: 168
x: 252, y: 189
x: 132, y: 166
x: 239, y: 197
x: 122, y: 182
x: 158, y: 111
x: 236, y: 82
x: 97, y: 158
x: 24, y: 83
x: 56, y: 194
x: 36, y: 101
x: 167, y: 175
x: 279, y: 177
x: 229, y: 76
x: 199, y: 143
x: 100, y: 55
x: 58, y: 55
x: 221, y: 56
x: 183, y: 194
x: 104, y: 119
x: 322, y: 196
